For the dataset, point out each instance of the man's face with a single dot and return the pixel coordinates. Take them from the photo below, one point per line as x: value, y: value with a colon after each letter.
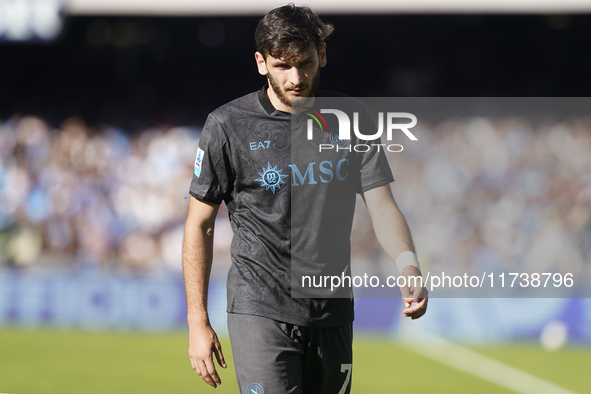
x: 297, y: 78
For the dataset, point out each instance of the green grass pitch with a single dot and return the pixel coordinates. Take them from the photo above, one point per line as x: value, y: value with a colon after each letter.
x: 64, y: 362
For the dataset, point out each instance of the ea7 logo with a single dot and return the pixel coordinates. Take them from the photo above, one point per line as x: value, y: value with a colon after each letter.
x: 345, y: 125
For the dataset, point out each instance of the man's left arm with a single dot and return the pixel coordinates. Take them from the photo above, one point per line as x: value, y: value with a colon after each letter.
x: 394, y: 235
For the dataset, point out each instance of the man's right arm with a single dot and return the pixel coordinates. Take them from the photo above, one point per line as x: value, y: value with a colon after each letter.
x: 197, y: 261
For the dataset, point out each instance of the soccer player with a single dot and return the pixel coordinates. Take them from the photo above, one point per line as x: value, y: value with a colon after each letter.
x: 281, y: 344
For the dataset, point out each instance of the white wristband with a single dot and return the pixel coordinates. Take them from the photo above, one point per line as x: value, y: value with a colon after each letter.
x: 405, y: 259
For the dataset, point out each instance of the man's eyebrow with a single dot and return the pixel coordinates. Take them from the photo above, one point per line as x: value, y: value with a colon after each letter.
x: 278, y: 62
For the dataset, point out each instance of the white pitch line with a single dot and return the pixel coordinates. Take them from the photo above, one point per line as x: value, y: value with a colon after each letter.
x: 486, y: 368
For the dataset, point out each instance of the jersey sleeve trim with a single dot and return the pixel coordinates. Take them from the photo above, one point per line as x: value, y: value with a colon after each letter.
x: 205, y: 198
x: 376, y: 184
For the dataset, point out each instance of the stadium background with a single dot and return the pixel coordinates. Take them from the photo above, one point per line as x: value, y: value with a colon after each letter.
x: 99, y: 127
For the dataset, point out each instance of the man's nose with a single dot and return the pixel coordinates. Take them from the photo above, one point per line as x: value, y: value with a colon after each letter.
x: 296, y: 76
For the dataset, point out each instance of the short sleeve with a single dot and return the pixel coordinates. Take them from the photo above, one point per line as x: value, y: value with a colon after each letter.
x: 213, y: 178
x: 374, y: 169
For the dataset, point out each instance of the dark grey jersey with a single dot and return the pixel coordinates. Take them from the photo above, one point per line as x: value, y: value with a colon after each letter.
x: 245, y: 159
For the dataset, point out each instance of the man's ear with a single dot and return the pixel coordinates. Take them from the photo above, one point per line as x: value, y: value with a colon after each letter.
x: 261, y: 65
x: 322, y: 55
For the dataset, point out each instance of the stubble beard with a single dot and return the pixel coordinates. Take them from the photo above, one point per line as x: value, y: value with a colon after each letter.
x: 285, y: 98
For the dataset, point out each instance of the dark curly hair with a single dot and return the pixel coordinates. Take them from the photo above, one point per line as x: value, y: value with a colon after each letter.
x: 286, y: 32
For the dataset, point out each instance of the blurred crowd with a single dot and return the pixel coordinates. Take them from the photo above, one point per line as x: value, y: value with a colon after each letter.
x: 93, y: 198
x: 486, y: 194
x: 479, y: 195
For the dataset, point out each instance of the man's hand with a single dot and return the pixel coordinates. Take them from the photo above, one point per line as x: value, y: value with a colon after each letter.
x: 414, y: 292
x: 203, y: 341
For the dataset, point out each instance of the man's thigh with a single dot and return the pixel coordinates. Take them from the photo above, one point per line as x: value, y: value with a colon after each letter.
x: 328, y: 360
x: 267, y: 355
x: 279, y: 358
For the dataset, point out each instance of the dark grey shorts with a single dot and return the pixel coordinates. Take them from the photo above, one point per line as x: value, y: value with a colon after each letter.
x: 271, y: 357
